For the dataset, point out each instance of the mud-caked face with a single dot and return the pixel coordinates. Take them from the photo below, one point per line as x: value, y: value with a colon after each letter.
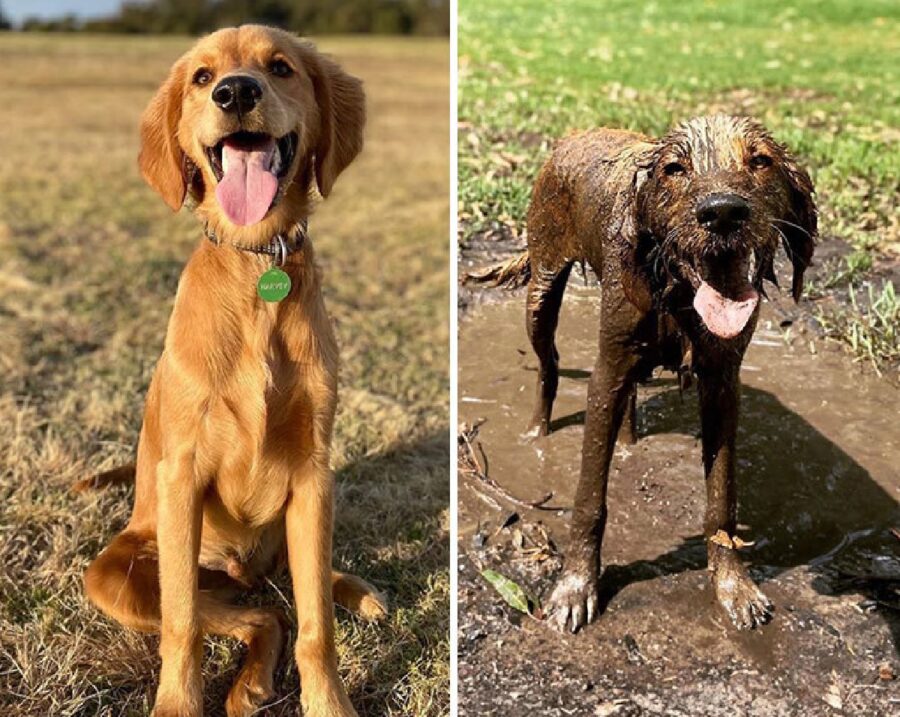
x: 719, y: 197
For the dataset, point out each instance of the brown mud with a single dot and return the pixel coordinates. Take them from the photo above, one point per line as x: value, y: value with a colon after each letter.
x: 819, y: 482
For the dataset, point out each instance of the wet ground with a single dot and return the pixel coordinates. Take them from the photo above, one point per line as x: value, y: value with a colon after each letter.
x: 819, y: 482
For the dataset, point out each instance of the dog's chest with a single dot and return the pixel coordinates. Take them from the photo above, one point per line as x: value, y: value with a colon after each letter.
x: 260, y: 435
x: 253, y: 491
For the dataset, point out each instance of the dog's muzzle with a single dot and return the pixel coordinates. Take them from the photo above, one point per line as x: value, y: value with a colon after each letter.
x: 723, y: 213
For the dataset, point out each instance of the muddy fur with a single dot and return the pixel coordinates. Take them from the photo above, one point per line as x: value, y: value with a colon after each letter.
x: 636, y: 209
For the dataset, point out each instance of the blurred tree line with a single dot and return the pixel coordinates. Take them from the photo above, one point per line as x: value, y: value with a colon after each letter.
x: 309, y: 17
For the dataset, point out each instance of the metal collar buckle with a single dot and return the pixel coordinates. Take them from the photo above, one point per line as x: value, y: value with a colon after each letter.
x: 279, y: 250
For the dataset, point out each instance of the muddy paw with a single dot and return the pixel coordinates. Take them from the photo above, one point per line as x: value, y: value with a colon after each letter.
x: 746, y: 605
x: 574, y: 602
x: 534, y: 431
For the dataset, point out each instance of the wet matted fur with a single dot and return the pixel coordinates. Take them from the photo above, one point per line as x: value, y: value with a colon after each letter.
x: 681, y: 231
x: 232, y: 473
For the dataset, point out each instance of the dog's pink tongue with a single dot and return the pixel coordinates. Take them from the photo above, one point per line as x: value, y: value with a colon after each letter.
x: 725, y: 317
x: 246, y: 191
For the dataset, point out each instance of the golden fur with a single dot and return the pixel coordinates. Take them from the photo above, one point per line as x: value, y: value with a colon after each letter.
x: 232, y: 473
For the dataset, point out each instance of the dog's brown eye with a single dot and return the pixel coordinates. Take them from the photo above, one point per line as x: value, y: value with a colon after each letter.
x: 760, y: 161
x: 674, y: 169
x: 202, y: 76
x: 280, y: 68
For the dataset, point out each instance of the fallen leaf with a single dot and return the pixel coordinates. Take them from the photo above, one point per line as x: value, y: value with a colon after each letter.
x: 833, y: 697
x: 511, y: 592
x: 606, y: 709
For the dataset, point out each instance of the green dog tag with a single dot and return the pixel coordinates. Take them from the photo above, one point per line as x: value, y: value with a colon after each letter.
x: 273, y: 285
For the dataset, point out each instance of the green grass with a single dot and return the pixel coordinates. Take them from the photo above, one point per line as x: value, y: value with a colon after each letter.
x: 89, y: 261
x: 870, y: 326
x: 821, y: 74
x: 844, y: 271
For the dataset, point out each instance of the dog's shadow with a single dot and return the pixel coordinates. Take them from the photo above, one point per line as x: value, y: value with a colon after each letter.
x: 806, y: 500
x: 390, y: 528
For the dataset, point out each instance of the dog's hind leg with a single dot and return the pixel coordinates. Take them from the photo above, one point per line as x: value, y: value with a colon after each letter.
x: 356, y: 595
x: 260, y: 629
x: 744, y: 602
x: 545, y: 294
x: 124, y: 583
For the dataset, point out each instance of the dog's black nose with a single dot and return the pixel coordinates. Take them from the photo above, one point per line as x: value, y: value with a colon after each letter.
x: 237, y: 93
x: 723, y: 213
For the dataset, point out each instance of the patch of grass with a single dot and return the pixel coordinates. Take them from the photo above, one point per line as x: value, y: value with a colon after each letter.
x: 821, y: 74
x: 870, y: 326
x: 89, y: 261
x: 855, y: 265
x: 843, y: 271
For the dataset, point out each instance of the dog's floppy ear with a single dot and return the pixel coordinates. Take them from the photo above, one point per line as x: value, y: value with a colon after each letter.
x: 161, y: 159
x: 635, y: 279
x: 800, y: 227
x: 342, y: 117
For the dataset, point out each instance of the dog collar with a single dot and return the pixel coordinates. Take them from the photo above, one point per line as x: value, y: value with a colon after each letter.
x: 279, y: 247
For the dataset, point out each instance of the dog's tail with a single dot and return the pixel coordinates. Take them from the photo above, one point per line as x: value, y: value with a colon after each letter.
x: 116, y: 476
x: 510, y: 274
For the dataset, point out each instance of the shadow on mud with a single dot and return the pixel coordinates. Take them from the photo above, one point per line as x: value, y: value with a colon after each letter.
x: 812, y: 502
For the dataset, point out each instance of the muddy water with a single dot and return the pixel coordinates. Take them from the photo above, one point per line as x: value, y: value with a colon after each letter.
x: 819, y: 484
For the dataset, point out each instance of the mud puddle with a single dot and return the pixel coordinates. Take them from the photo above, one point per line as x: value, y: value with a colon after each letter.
x: 819, y: 480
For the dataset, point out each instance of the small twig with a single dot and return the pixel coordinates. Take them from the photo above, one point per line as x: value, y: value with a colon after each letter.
x: 486, y: 498
x: 472, y: 468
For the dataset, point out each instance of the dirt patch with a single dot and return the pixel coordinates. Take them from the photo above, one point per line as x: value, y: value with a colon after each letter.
x: 817, y: 454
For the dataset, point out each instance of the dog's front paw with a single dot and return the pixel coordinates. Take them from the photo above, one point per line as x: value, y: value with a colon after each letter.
x: 334, y: 703
x: 536, y: 429
x: 179, y: 706
x: 574, y: 601
x: 743, y: 602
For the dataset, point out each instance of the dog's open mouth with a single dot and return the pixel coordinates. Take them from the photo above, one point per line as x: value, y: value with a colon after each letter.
x: 250, y: 168
x: 725, y: 295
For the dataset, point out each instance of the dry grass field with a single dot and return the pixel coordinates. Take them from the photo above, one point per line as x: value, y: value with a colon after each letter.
x: 89, y: 262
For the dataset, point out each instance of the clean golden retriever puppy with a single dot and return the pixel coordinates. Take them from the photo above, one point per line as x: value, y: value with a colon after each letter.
x: 232, y: 473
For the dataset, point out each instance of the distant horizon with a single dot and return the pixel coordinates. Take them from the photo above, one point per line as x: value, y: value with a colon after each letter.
x: 16, y: 11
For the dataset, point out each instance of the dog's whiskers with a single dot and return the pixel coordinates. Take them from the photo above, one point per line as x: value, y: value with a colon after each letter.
x: 795, y: 226
x: 785, y: 242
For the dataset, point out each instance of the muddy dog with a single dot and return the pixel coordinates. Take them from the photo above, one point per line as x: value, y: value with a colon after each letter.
x: 681, y: 232
x: 232, y: 474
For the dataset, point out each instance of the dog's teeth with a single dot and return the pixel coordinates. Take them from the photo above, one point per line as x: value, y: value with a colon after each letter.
x: 224, y: 161
x: 276, y: 160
